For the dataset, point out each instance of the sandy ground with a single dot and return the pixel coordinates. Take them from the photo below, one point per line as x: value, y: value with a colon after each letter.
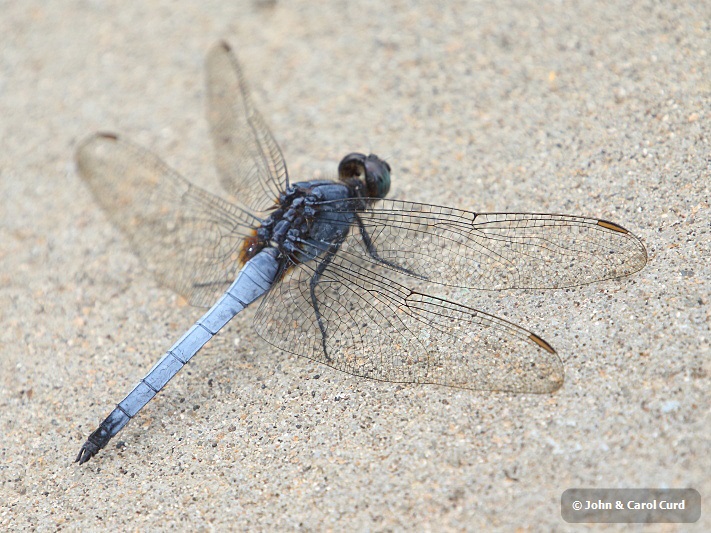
x: 578, y: 108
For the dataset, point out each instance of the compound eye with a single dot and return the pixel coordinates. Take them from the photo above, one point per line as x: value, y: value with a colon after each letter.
x: 351, y: 166
x: 377, y: 177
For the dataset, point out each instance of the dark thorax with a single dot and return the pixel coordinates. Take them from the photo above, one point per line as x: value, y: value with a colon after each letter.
x: 311, y: 217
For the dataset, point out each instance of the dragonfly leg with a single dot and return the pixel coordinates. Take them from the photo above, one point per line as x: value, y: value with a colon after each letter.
x: 323, y: 265
x: 373, y: 252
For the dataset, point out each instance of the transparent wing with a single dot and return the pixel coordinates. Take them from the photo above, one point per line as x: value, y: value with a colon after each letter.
x: 379, y: 329
x: 248, y: 159
x: 496, y: 251
x: 187, y: 237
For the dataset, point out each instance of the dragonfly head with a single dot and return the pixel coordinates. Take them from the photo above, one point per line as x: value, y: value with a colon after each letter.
x: 370, y: 170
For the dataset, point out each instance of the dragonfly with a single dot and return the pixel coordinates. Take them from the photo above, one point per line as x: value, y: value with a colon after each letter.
x: 337, y: 265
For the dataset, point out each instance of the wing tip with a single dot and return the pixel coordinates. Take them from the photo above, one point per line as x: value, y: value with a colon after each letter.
x: 107, y: 135
x: 553, y: 378
x: 640, y: 257
x: 555, y: 383
x: 86, y: 147
x: 540, y: 342
x: 611, y: 226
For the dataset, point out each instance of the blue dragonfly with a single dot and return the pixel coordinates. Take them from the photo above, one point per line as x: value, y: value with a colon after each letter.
x: 338, y: 265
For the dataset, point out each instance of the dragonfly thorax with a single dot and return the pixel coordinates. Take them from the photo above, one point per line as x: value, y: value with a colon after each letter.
x: 309, y: 217
x: 312, y: 216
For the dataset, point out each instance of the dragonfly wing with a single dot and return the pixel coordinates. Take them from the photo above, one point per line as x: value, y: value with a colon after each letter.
x: 248, y: 159
x: 379, y: 329
x: 187, y: 237
x: 495, y: 251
